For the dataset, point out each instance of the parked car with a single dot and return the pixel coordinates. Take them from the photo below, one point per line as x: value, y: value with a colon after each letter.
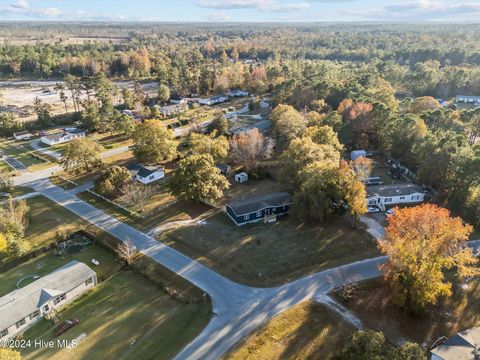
x: 389, y: 212
x: 65, y: 326
x: 373, y: 209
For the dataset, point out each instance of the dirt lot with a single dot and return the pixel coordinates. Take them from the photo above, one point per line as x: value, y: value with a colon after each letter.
x: 20, y: 95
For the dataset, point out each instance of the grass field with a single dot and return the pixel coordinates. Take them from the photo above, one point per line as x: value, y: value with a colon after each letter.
x: 125, y: 317
x: 306, y: 331
x: 47, y: 218
x: 271, y: 254
x: 372, y: 304
x: 20, y: 151
x: 47, y: 262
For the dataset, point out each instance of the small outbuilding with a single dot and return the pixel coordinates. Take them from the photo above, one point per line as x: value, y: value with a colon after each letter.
x: 358, y: 153
x: 23, y: 135
x: 261, y: 208
x: 241, y: 177
x: 224, y: 169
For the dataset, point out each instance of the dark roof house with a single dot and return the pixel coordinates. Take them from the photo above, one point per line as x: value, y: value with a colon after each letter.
x: 256, y: 208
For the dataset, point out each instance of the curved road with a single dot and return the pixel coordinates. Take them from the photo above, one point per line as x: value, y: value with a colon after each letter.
x: 238, y: 309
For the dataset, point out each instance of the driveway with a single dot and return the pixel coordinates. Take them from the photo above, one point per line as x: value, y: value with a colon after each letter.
x: 37, y: 146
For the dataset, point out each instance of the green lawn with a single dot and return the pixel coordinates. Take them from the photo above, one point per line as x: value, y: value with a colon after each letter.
x: 47, y: 262
x: 306, y: 331
x: 264, y: 255
x: 125, y: 317
x: 46, y: 218
x: 22, y: 152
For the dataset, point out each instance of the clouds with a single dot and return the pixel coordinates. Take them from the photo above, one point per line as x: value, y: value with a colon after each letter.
x: 217, y: 16
x: 261, y: 5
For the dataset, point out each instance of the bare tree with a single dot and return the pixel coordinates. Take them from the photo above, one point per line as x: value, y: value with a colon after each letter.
x: 137, y: 195
x: 249, y: 148
x: 127, y: 251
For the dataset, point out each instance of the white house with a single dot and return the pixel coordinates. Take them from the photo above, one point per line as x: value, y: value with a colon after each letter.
x: 62, y: 137
x: 170, y: 110
x: 463, y: 345
x: 23, y: 135
x: 213, y: 100
x: 23, y: 307
x: 146, y: 174
x: 237, y: 93
x: 468, y: 99
x: 394, y: 194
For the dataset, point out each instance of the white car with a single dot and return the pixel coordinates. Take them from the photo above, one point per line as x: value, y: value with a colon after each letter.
x: 389, y: 212
x: 373, y: 209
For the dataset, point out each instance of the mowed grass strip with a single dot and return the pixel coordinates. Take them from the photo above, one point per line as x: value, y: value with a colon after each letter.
x: 306, y: 331
x: 265, y: 255
x: 125, y: 317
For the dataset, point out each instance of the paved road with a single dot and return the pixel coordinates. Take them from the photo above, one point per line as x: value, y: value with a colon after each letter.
x: 238, y: 309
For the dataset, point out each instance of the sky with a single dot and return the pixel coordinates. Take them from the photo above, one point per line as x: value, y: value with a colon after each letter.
x: 242, y: 10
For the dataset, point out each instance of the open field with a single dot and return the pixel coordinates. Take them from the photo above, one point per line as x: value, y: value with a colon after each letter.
x: 125, y: 317
x: 20, y: 151
x: 372, y: 304
x: 306, y: 331
x: 264, y: 255
x: 47, y: 262
x: 47, y: 218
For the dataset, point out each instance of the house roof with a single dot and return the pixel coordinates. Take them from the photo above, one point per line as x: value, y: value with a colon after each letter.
x: 393, y: 190
x: 59, y: 135
x: 22, y: 302
x: 461, y: 346
x: 256, y: 203
x: 142, y: 170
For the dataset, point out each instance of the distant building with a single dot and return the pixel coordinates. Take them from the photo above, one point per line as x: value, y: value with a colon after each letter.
x: 475, y: 100
x: 241, y: 177
x: 23, y: 307
x: 146, y: 174
x: 237, y: 93
x: 261, y: 208
x: 464, y: 345
x: 224, y: 168
x: 214, y: 100
x: 23, y: 135
x: 171, y: 110
x: 394, y: 194
x: 62, y: 137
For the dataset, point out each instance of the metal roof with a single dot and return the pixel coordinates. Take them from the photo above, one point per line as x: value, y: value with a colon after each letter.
x: 461, y: 346
x: 256, y: 203
x: 393, y: 190
x: 22, y: 302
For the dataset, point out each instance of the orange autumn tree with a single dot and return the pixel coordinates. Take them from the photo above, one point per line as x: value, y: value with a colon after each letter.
x: 421, y: 242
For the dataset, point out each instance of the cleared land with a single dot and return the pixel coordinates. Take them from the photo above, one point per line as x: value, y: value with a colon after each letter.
x: 372, y: 304
x: 125, y: 317
x: 265, y: 255
x: 306, y: 331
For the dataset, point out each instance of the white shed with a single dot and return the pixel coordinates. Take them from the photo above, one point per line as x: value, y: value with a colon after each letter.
x: 358, y: 153
x: 241, y: 177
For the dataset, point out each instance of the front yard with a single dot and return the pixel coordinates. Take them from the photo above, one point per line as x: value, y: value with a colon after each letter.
x: 264, y: 255
x: 125, y: 317
x: 306, y: 331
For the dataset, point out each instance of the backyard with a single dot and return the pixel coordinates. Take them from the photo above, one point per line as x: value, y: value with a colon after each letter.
x: 19, y: 150
x: 125, y: 317
x: 306, y: 331
x: 264, y: 255
x: 47, y: 262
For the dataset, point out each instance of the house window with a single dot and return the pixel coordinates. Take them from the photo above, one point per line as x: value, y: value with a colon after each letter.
x: 372, y: 202
x: 415, y: 197
x: 89, y: 281
x: 246, y: 217
x: 259, y: 213
x: 63, y: 297
x: 58, y: 299
x: 388, y: 200
x: 46, y: 308
x: 3, y: 333
x: 34, y: 314
x: 20, y: 323
x: 151, y: 177
x: 402, y: 197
